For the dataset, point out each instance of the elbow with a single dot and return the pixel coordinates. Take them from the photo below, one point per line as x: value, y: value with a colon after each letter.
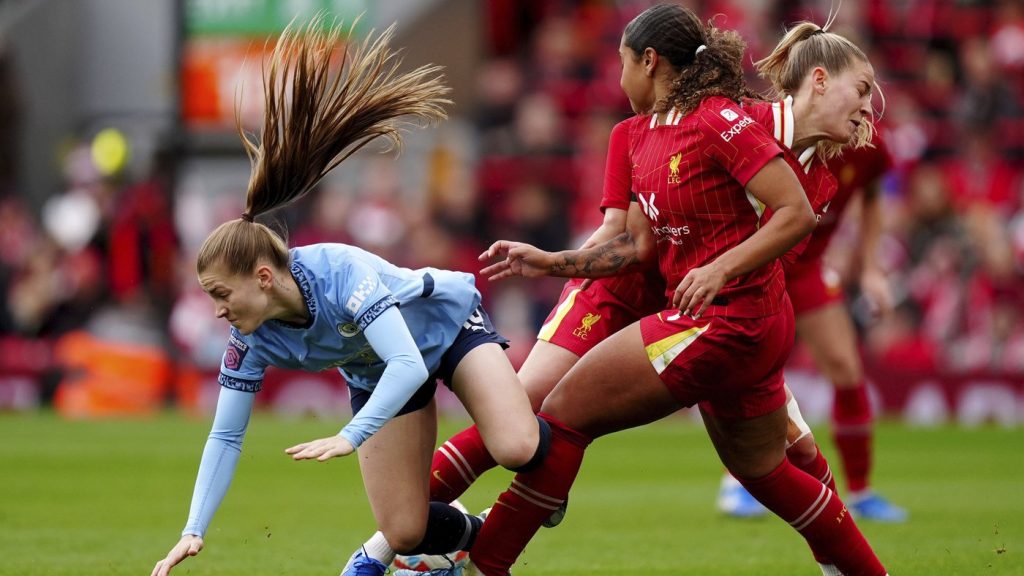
x: 806, y: 221
x: 645, y: 249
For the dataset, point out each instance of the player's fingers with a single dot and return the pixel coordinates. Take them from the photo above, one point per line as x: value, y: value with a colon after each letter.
x: 296, y: 448
x: 495, y: 268
x: 706, y: 300
x: 494, y: 249
x: 680, y: 292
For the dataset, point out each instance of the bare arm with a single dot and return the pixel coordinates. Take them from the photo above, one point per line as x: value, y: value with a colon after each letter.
x: 614, y: 223
x: 777, y: 187
x: 625, y: 250
x: 873, y: 282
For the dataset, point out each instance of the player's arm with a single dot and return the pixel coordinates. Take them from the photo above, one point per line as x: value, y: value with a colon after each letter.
x: 873, y: 281
x: 627, y: 250
x: 404, y: 373
x: 776, y: 186
x: 614, y: 223
x: 216, y: 469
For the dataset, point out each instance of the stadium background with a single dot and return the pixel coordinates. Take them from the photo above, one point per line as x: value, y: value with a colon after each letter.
x: 118, y: 154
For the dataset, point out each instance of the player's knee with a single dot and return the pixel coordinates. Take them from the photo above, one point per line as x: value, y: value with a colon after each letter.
x: 844, y: 372
x: 803, y: 450
x: 530, y: 449
x: 403, y: 537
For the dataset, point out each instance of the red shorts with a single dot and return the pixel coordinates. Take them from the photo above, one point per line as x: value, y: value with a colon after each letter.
x: 811, y: 286
x: 731, y: 366
x: 583, y: 318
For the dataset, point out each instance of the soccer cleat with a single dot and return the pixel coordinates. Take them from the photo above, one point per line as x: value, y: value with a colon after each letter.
x: 735, y: 501
x: 453, y: 570
x: 362, y: 565
x: 875, y: 508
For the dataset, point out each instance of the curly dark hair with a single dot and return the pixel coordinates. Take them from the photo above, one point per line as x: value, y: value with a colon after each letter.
x: 676, y: 33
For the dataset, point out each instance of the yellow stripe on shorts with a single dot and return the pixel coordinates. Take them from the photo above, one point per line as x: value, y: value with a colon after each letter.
x: 548, y: 330
x: 663, y: 352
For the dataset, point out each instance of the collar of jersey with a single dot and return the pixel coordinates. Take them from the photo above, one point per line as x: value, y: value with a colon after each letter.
x: 785, y: 125
x: 307, y: 294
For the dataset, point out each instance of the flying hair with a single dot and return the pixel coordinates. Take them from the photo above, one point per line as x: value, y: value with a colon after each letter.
x: 314, y: 119
x: 316, y: 115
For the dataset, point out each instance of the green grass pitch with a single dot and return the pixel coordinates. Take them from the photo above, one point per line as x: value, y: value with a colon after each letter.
x: 110, y: 497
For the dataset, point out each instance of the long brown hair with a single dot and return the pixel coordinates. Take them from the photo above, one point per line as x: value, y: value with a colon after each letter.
x: 804, y: 47
x: 315, y: 119
x: 675, y: 33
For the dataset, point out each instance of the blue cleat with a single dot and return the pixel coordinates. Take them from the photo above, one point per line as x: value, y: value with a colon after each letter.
x: 362, y: 565
x: 734, y: 500
x: 875, y: 508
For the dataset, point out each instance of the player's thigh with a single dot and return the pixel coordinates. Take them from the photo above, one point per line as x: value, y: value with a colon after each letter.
x: 613, y: 387
x: 830, y: 337
x: 395, y: 465
x: 488, y: 387
x: 543, y: 368
x: 749, y: 447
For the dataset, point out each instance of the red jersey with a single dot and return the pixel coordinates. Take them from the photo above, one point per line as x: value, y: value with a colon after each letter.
x: 855, y: 169
x: 817, y: 181
x: 688, y: 175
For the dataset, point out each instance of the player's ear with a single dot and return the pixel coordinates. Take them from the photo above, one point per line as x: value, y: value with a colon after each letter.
x: 265, y: 276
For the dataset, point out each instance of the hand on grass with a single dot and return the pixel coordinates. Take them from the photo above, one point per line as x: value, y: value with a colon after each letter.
x: 189, y: 545
x: 322, y: 449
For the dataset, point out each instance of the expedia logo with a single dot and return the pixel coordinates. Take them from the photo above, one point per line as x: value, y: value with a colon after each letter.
x: 673, y: 168
x: 348, y: 329
x: 729, y: 115
x: 736, y: 128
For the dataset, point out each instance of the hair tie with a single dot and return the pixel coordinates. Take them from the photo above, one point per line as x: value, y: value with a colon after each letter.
x: 700, y: 49
x: 247, y: 217
x: 818, y: 31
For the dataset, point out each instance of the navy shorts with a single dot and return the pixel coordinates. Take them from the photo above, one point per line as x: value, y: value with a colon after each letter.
x: 476, y: 331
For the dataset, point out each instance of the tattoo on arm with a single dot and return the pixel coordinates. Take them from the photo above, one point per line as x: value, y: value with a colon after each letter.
x: 602, y: 260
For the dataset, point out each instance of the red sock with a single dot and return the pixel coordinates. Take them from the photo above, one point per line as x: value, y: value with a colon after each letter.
x: 457, y: 464
x: 818, y: 468
x: 818, y: 514
x: 531, y: 499
x: 851, y: 429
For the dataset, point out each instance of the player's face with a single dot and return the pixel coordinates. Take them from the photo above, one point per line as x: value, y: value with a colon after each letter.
x: 848, y: 101
x: 635, y: 82
x: 241, y: 299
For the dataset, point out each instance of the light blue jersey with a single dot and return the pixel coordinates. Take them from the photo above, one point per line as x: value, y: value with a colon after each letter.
x: 385, y: 328
x: 346, y: 289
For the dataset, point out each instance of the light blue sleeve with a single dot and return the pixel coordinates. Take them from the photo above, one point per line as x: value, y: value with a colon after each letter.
x: 220, y: 457
x: 404, y: 374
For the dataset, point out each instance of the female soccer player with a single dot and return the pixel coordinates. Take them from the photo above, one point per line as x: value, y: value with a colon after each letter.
x: 703, y: 172
x: 824, y: 326
x: 332, y: 305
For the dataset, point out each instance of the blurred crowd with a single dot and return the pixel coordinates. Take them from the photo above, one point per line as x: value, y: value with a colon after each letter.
x: 112, y: 256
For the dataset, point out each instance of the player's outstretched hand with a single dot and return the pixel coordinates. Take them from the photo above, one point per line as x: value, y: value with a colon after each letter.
x: 698, y: 289
x: 322, y: 449
x: 519, y: 260
x: 189, y: 545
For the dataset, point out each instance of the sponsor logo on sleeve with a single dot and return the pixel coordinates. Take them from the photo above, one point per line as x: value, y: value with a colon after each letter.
x: 240, y: 384
x: 375, y: 310
x: 235, y: 353
x: 362, y: 291
x: 736, y: 128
